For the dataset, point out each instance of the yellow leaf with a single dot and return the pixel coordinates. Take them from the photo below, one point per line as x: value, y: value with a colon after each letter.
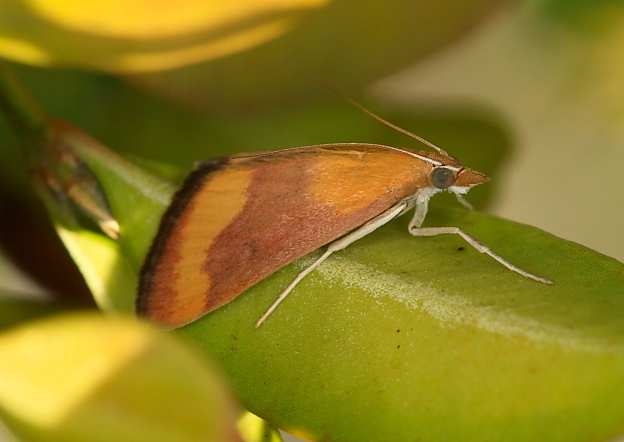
x: 142, y: 35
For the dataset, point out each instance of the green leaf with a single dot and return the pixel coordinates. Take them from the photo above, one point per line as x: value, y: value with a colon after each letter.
x: 254, y: 429
x: 89, y: 378
x: 135, y: 196
x: 107, y: 271
x: 402, y: 338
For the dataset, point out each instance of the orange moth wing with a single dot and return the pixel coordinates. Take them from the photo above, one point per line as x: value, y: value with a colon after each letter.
x: 236, y: 220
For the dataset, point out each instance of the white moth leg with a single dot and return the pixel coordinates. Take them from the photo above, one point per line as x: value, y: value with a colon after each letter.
x: 421, y: 204
x: 340, y: 244
x: 474, y: 242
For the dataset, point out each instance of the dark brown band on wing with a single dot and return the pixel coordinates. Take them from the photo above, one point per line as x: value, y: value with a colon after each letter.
x: 191, y: 185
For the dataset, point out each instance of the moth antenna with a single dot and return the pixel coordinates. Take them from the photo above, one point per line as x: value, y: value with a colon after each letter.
x: 381, y: 120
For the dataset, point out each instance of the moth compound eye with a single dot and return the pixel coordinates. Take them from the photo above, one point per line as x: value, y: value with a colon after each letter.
x: 442, y: 178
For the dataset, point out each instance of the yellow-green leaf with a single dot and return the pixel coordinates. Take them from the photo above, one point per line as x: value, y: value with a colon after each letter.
x: 90, y: 378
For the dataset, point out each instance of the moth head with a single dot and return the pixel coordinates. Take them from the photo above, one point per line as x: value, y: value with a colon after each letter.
x: 455, y: 179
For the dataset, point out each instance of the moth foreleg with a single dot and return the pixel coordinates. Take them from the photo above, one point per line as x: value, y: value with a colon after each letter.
x: 474, y: 242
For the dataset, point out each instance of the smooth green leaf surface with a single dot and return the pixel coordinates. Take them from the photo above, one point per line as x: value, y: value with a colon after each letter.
x: 401, y: 338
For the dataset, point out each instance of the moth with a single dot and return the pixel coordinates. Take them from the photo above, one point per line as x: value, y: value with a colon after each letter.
x: 238, y: 219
